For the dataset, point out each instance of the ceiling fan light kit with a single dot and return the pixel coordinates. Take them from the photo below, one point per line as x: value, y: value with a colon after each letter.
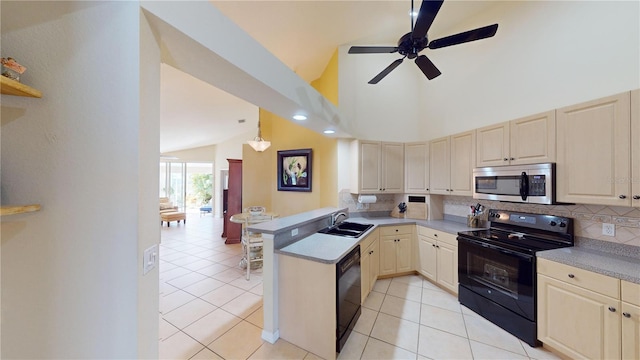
x: 412, y: 43
x: 258, y: 143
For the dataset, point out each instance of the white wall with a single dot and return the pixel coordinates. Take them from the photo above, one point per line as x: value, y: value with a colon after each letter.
x: 545, y: 55
x: 71, y: 280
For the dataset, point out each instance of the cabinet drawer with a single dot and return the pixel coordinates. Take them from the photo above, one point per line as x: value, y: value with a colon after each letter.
x: 438, y: 235
x: 366, y: 242
x: 602, y: 284
x: 631, y: 293
x: 395, y: 230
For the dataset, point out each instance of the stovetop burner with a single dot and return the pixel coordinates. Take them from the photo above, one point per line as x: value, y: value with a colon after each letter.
x: 523, y: 232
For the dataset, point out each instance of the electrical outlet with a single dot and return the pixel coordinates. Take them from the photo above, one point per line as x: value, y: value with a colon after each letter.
x: 608, y: 229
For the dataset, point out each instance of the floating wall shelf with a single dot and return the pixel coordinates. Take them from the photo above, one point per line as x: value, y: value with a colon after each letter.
x: 18, y: 209
x: 12, y: 87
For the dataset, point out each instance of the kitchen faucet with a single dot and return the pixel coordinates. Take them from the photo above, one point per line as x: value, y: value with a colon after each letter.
x: 334, y: 217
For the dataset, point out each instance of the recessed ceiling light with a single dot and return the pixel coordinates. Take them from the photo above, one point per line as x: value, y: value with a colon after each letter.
x: 299, y: 117
x: 329, y: 131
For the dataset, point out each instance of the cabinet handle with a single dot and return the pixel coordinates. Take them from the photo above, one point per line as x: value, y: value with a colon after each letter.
x: 505, y: 159
x: 626, y: 314
x: 622, y: 196
x: 428, y: 190
x: 512, y: 158
x: 438, y: 246
x: 436, y: 235
x: 612, y: 309
x: 571, y: 276
x: 635, y: 197
x: 434, y: 245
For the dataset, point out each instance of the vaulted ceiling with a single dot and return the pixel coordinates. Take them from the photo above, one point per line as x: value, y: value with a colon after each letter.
x: 303, y: 35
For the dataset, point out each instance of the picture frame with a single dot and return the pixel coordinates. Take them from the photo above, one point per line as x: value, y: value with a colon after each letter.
x: 294, y: 170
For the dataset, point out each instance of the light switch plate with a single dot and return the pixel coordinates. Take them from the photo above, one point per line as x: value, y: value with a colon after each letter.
x: 149, y: 259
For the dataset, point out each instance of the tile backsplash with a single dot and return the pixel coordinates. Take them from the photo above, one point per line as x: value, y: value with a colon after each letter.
x: 588, y: 219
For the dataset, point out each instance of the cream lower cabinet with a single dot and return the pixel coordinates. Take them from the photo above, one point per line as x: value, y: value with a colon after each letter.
x: 578, y: 311
x: 396, y: 245
x: 630, y: 320
x: 369, y: 262
x: 438, y: 257
x: 451, y: 163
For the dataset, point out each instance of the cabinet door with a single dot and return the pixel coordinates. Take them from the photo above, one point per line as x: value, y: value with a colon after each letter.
x: 404, y: 254
x: 533, y: 139
x: 365, y: 265
x: 374, y: 265
x: 578, y: 322
x: 492, y: 145
x: 635, y: 148
x: 590, y: 174
x: 630, y: 331
x: 447, y: 266
x: 388, y: 255
x: 463, y: 159
x: 428, y: 257
x: 392, y: 175
x: 439, y: 166
x: 369, y: 167
x: 416, y: 168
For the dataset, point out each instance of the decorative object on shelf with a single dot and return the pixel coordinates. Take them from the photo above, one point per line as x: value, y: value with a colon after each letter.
x: 294, y: 170
x: 258, y: 143
x: 11, y: 69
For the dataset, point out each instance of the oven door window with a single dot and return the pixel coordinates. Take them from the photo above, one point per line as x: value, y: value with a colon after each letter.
x: 505, y: 278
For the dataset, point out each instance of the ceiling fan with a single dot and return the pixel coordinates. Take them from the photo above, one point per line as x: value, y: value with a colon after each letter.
x: 410, y: 44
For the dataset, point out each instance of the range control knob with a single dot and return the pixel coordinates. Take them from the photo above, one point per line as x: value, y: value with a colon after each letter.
x: 497, y: 216
x: 553, y: 223
x: 562, y: 224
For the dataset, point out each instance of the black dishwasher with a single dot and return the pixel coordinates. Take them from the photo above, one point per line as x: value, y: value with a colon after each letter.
x: 348, y: 294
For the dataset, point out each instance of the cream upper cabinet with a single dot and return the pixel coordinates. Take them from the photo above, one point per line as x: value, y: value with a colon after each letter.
x: 578, y: 311
x: 451, y: 162
x: 528, y: 140
x: 594, y: 155
x: 630, y: 320
x: 377, y: 167
x: 439, y: 166
x: 416, y: 167
x: 635, y: 148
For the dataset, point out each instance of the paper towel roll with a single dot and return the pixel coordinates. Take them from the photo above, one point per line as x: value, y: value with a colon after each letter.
x: 367, y: 199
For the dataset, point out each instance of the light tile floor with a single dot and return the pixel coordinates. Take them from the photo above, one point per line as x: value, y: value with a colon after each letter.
x: 209, y: 311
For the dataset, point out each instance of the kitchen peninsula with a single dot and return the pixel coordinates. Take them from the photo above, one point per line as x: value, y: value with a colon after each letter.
x: 299, y: 274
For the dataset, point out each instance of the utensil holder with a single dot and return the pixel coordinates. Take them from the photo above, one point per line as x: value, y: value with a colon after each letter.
x: 472, y: 221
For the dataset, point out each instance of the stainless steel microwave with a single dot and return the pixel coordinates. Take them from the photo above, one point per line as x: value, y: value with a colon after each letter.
x: 533, y: 184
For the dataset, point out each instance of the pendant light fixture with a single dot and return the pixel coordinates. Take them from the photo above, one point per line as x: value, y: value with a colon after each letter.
x: 258, y: 143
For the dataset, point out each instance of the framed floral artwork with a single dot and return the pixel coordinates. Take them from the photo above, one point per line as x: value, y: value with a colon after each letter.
x: 294, y: 170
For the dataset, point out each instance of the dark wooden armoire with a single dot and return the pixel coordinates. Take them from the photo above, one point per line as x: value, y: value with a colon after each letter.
x: 233, y: 231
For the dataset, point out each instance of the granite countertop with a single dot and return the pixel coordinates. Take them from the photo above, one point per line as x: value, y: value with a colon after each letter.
x: 599, y: 261
x: 329, y: 249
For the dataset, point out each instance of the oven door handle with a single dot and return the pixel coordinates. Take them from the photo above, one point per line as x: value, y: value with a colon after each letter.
x: 525, y: 257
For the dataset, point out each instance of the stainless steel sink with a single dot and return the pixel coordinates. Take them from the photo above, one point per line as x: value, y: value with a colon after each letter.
x: 347, y: 229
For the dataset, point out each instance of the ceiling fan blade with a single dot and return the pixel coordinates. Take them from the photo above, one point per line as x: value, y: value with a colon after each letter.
x: 386, y: 71
x: 427, y: 67
x: 372, y: 49
x: 463, y: 37
x: 428, y: 11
